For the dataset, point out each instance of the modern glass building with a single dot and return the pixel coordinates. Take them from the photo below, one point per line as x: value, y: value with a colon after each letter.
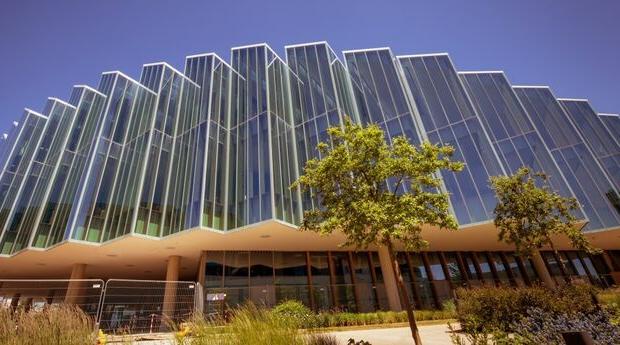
x: 197, y: 165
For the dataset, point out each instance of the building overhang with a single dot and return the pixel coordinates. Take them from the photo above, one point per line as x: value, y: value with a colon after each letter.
x: 142, y: 257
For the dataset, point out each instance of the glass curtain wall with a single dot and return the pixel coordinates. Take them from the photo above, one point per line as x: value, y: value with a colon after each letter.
x: 51, y: 213
x: 586, y: 177
x: 216, y: 80
x: 262, y: 139
x: 379, y: 95
x: 450, y: 119
x: 515, y: 137
x: 165, y: 196
x: 105, y: 202
x: 21, y: 219
x: 20, y: 151
x: 318, y: 98
x: 599, y: 139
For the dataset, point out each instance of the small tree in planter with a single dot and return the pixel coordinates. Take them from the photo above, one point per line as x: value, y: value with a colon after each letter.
x: 377, y: 194
x: 529, y: 213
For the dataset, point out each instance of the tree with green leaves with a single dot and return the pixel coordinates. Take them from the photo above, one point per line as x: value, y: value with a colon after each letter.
x: 378, y: 194
x: 529, y: 214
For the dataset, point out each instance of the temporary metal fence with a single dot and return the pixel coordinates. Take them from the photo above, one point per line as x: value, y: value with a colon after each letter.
x: 30, y: 294
x: 145, y: 306
x: 148, y: 306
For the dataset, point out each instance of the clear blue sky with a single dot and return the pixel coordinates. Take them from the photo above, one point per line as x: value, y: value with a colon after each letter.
x: 48, y: 46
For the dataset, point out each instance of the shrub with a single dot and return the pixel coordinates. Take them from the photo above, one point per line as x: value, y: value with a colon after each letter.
x: 57, y: 324
x: 498, y: 308
x: 249, y: 325
x: 544, y: 327
x: 296, y: 312
x: 610, y: 299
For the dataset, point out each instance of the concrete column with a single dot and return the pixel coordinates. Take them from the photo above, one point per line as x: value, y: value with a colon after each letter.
x: 541, y: 270
x: 202, y: 263
x: 74, y: 288
x: 170, y: 292
x: 389, y: 279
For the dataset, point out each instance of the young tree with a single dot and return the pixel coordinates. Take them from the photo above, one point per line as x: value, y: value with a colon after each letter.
x: 528, y: 214
x: 377, y: 194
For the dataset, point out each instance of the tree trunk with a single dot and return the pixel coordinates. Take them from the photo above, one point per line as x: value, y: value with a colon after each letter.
x: 541, y: 270
x: 404, y: 296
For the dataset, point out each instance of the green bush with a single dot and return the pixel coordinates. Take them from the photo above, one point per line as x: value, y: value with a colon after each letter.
x: 296, y: 312
x: 499, y: 308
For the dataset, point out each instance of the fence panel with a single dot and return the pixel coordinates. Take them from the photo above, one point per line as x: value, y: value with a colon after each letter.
x: 33, y: 294
x: 145, y: 306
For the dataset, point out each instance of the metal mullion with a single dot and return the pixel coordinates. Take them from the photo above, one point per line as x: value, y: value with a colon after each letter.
x: 208, y: 114
x: 269, y: 143
x: 295, y: 157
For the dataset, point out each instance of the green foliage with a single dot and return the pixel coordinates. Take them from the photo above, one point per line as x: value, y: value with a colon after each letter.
x: 249, y: 325
x: 58, y: 324
x: 477, y: 336
x: 373, y: 192
x: 296, y: 312
x: 325, y: 320
x: 610, y: 300
x: 497, y: 309
x: 529, y: 213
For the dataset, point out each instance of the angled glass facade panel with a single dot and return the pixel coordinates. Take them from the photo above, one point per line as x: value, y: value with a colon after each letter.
x: 262, y: 142
x: 250, y: 131
x: 583, y: 173
x: 22, y: 218
x: 321, y: 96
x: 164, y: 205
x: 450, y: 119
x: 20, y: 151
x: 7, y: 140
x: 516, y: 140
x: 596, y: 135
x: 284, y: 160
x: 612, y: 123
x: 52, y: 216
x: 216, y: 79
x: 108, y: 190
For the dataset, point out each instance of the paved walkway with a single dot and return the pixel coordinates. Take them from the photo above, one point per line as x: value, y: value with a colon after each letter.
x: 431, y: 335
